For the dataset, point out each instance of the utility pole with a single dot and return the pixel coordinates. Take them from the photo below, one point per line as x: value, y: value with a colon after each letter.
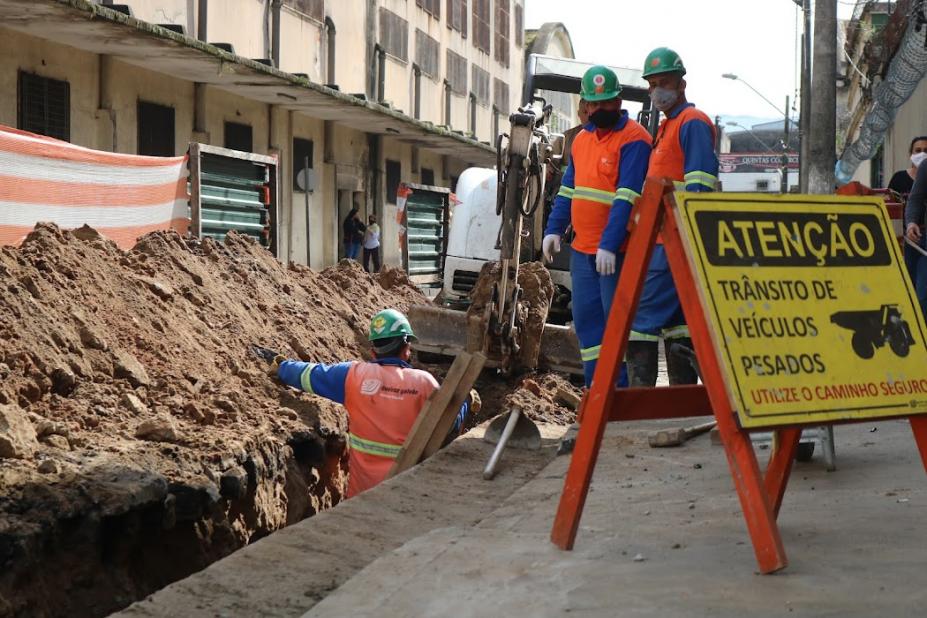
x: 804, y: 127
x: 823, y: 134
x: 784, y: 185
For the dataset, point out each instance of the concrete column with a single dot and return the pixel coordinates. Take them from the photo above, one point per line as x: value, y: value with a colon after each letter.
x: 823, y: 135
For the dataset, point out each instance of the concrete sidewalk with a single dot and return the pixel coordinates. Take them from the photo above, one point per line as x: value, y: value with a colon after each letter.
x: 663, y: 535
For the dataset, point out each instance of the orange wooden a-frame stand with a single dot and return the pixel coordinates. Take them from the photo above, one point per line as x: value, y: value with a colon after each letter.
x: 760, y: 495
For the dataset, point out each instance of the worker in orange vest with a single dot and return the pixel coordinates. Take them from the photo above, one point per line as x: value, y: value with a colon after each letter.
x: 684, y: 152
x: 598, y: 189
x: 383, y: 397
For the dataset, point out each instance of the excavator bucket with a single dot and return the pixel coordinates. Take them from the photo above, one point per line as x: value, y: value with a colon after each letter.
x: 449, y: 332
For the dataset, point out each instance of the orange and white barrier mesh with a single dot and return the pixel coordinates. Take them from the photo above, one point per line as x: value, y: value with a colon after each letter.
x: 121, y: 196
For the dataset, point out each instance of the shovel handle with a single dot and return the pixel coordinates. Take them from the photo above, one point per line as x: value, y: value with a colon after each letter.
x: 490, y: 470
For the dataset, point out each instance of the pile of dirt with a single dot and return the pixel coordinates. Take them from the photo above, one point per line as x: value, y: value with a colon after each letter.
x: 537, y: 396
x: 139, y: 438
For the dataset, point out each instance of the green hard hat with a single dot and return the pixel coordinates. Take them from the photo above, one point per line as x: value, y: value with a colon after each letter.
x: 600, y: 84
x: 663, y: 60
x: 389, y: 323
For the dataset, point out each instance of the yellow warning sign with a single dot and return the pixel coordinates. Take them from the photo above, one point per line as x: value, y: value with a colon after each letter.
x: 812, y: 316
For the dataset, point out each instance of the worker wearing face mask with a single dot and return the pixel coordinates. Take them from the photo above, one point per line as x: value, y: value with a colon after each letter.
x: 684, y: 152
x: 600, y: 185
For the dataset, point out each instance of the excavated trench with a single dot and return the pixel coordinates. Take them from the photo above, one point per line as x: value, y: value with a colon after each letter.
x: 140, y: 439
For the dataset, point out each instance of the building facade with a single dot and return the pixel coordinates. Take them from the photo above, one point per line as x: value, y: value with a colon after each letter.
x: 873, y: 38
x: 369, y: 93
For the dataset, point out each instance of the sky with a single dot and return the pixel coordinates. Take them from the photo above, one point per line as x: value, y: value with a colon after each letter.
x: 757, y: 40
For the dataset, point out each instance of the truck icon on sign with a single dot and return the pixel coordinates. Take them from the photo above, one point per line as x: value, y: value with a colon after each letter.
x: 874, y: 328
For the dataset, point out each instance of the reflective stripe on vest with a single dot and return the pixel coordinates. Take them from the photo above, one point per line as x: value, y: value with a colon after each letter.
x: 596, y: 166
x: 668, y: 159
x: 565, y: 191
x: 305, y: 378
x: 381, y: 449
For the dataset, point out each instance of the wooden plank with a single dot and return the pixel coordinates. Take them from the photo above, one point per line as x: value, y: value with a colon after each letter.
x: 446, y: 419
x: 424, y: 427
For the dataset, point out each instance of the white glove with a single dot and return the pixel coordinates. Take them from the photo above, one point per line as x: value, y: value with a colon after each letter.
x: 605, y: 262
x: 550, y: 245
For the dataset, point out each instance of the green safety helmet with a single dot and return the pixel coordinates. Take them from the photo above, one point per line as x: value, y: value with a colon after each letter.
x: 600, y: 84
x: 663, y: 60
x: 390, y: 323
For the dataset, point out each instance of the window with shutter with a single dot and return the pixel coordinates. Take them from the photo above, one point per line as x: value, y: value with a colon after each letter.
x: 394, y: 35
x: 313, y: 8
x: 502, y: 32
x: 481, y: 31
x: 500, y: 95
x: 480, y: 79
x: 457, y: 16
x: 432, y: 7
x: 519, y: 25
x: 457, y: 73
x: 44, y: 106
x: 427, y: 54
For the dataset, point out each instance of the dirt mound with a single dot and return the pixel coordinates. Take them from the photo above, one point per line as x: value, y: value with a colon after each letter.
x: 537, y: 293
x: 159, y: 444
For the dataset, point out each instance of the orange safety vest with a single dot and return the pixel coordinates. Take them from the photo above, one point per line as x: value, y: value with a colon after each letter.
x: 595, y: 168
x: 383, y: 402
x: 668, y: 160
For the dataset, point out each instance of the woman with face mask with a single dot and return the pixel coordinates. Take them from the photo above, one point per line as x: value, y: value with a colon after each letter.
x: 903, y: 180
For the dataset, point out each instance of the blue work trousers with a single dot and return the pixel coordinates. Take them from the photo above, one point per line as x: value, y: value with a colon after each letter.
x: 659, y: 312
x: 592, y: 301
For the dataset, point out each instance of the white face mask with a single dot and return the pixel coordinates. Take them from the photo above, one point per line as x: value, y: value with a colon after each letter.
x: 664, y: 98
x: 917, y: 158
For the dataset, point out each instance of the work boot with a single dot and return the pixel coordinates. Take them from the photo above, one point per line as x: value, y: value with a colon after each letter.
x: 641, y: 360
x: 679, y: 367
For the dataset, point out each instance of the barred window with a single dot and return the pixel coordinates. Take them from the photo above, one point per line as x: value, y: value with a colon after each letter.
x: 481, y: 31
x: 427, y: 54
x: 519, y: 25
x: 503, y: 8
x: 456, y: 72
x: 432, y: 7
x: 44, y: 106
x: 394, y: 34
x: 500, y: 95
x: 457, y: 16
x: 313, y: 8
x: 480, y: 79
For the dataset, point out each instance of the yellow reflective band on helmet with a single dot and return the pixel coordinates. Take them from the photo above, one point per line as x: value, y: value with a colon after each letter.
x: 701, y: 178
x: 381, y: 449
x: 594, y: 195
x: 565, y: 191
x: 590, y: 354
x: 636, y: 336
x: 627, y: 194
x: 676, y: 332
x: 305, y: 379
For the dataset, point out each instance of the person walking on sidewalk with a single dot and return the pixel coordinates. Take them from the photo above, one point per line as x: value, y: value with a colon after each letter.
x: 598, y: 189
x: 684, y: 152
x: 383, y: 397
x: 372, y: 245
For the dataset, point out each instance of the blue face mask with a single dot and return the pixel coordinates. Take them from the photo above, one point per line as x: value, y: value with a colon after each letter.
x: 663, y: 98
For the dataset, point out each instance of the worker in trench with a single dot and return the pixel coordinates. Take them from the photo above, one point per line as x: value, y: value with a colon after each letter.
x: 684, y: 152
x: 599, y: 187
x: 382, y: 397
